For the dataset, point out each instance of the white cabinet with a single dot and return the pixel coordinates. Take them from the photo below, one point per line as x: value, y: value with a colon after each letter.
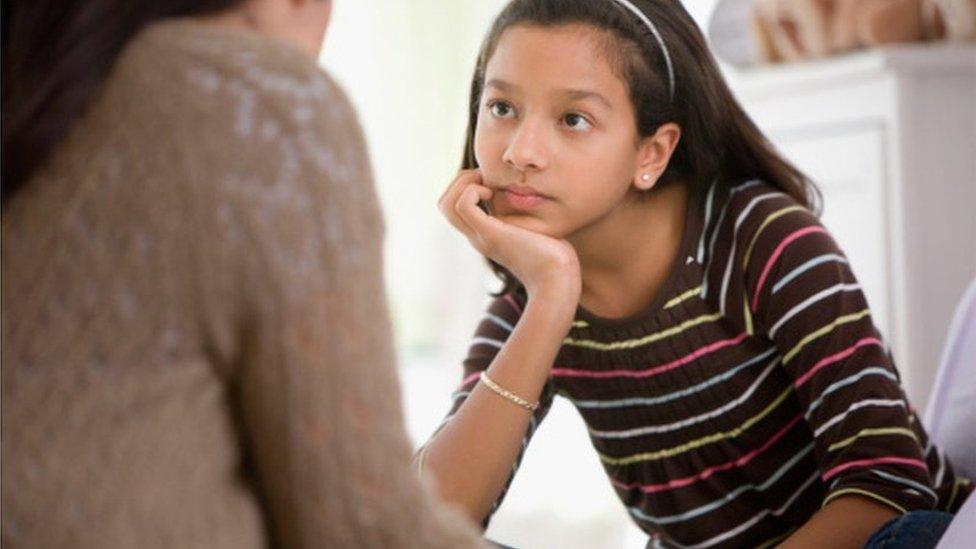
x: 890, y: 137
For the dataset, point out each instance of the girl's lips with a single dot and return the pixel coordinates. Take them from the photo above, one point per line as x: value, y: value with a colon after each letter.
x: 522, y: 199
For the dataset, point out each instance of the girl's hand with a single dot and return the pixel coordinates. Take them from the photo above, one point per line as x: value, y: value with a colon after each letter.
x: 548, y: 267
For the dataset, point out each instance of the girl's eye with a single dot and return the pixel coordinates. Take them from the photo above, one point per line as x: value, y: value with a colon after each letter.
x: 500, y: 109
x: 577, y: 122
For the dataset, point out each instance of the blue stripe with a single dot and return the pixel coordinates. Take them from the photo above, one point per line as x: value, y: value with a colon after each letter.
x: 498, y: 321
x: 487, y: 341
x: 677, y: 394
x: 806, y: 267
x: 875, y: 370
x: 708, y: 217
x: 718, y: 226
x: 727, y: 497
x: 908, y: 482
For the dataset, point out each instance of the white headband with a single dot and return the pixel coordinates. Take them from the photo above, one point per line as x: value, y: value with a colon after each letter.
x: 657, y: 35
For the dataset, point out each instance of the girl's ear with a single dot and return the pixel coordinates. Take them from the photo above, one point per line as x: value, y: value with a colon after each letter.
x: 653, y: 155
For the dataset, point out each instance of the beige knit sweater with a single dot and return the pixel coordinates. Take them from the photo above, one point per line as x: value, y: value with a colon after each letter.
x: 196, y: 348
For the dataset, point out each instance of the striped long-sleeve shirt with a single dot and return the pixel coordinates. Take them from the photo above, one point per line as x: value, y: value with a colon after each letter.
x: 754, y: 391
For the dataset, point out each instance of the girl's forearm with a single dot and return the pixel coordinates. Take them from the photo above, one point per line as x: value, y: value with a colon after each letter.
x: 471, y: 458
x: 846, y: 522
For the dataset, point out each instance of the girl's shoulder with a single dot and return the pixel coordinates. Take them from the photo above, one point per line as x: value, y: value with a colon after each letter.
x: 759, y: 235
x: 750, y: 225
x: 751, y: 196
x: 745, y: 214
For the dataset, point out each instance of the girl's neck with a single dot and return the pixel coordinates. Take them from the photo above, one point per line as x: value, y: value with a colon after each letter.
x: 626, y: 257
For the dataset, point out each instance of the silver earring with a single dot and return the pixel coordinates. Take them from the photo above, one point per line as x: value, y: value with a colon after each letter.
x: 646, y: 177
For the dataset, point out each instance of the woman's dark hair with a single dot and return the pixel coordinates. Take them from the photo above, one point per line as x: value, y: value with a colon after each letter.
x: 718, y: 138
x: 56, y: 53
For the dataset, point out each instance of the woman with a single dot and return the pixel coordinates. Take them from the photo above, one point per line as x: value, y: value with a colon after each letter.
x: 196, y: 344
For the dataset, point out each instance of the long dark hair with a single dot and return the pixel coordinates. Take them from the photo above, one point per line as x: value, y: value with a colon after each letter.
x: 56, y: 53
x: 718, y: 138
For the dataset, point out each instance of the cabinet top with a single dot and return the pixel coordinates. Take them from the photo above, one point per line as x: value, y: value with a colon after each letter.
x: 918, y: 60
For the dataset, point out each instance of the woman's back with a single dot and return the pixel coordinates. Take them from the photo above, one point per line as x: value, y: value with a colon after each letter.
x: 195, y: 333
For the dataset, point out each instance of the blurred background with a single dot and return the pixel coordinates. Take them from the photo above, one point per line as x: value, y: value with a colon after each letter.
x: 885, y: 133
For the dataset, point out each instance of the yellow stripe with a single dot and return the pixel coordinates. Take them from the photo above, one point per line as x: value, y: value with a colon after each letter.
x: 631, y: 343
x: 961, y: 481
x: 846, y: 319
x: 748, y: 315
x: 772, y: 217
x: 579, y: 324
x: 871, y: 495
x: 685, y: 295
x: 872, y: 433
x: 715, y: 437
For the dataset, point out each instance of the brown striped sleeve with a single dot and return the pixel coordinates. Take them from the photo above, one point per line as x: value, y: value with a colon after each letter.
x: 799, y: 290
x: 493, y: 331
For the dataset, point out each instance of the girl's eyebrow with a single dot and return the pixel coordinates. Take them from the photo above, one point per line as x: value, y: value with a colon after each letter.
x: 573, y: 94
x: 577, y: 95
x: 501, y: 85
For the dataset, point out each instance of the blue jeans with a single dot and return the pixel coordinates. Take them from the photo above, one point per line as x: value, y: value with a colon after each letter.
x: 916, y: 530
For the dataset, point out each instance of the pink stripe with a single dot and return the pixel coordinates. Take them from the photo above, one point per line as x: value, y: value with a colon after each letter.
x: 834, y: 358
x: 518, y: 310
x: 876, y: 461
x: 469, y: 379
x: 567, y: 372
x: 779, y: 250
x: 511, y: 301
x: 739, y: 462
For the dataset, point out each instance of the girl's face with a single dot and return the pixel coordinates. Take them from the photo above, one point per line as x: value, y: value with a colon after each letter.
x: 556, y: 137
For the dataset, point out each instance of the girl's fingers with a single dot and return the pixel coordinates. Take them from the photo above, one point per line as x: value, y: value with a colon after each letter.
x: 483, y: 228
x: 448, y: 200
x: 453, y: 191
x: 477, y: 192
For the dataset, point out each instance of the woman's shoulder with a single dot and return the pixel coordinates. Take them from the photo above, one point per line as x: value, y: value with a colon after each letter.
x: 236, y: 110
x: 209, y: 74
x: 210, y: 120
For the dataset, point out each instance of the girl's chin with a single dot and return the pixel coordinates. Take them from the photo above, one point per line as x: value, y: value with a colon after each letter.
x: 528, y: 222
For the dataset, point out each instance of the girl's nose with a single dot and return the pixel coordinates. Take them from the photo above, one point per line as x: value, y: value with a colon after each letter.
x: 527, y: 149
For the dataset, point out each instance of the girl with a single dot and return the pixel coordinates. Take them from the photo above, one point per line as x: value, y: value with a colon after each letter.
x: 664, y: 271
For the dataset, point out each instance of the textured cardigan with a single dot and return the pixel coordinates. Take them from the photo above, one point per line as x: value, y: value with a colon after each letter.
x: 196, y: 348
